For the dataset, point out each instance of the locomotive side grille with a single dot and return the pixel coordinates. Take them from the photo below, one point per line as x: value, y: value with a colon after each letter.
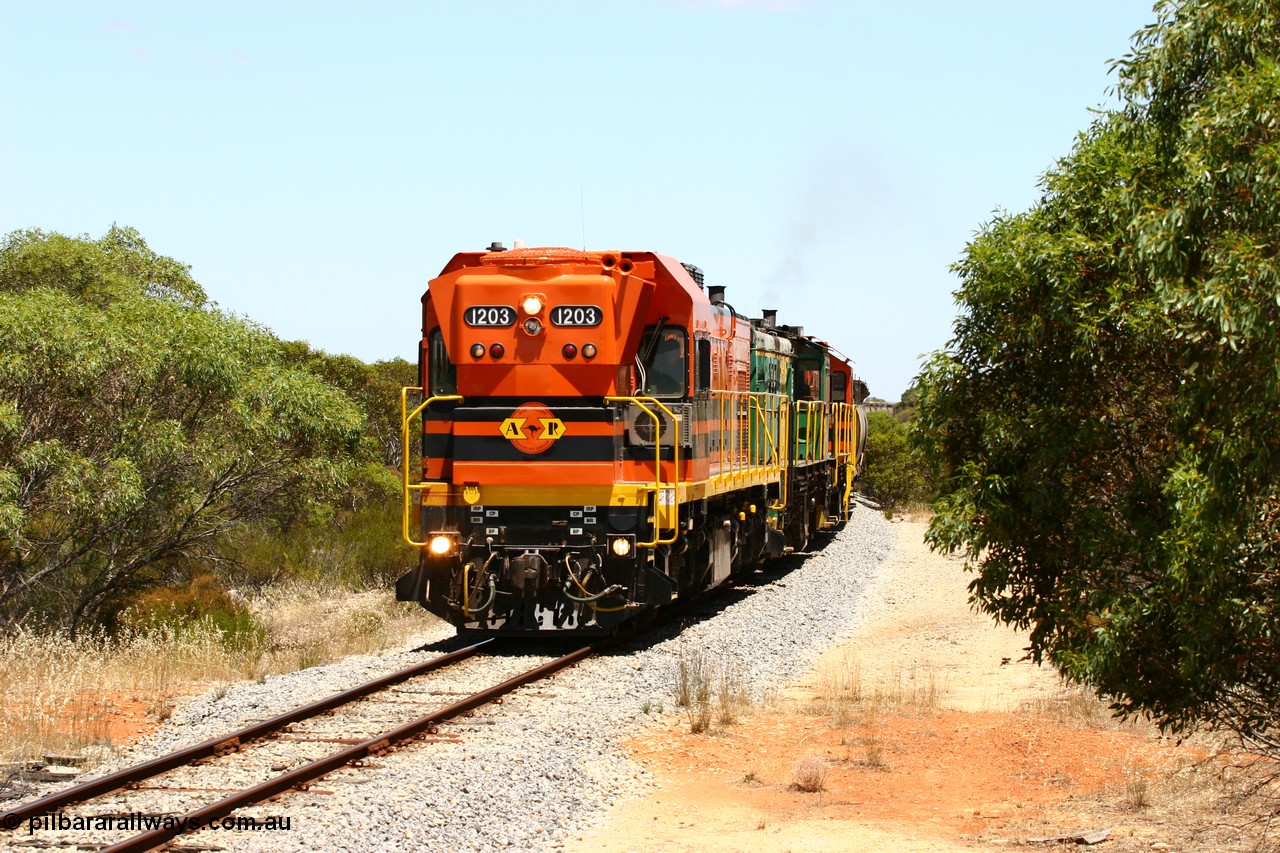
x: 640, y: 426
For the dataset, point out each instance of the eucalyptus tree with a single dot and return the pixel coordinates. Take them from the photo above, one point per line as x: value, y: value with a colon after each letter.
x: 138, y: 423
x: 1106, y: 419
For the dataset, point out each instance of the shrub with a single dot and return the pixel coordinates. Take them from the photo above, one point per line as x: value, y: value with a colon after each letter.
x: 201, y: 600
x: 895, y: 473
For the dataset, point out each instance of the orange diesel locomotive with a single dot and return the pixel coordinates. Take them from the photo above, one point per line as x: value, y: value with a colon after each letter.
x: 601, y: 434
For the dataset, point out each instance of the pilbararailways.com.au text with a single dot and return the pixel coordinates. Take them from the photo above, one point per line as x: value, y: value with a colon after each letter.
x: 141, y: 822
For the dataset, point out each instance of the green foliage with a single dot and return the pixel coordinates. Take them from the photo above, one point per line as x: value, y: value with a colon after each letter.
x: 359, y: 549
x: 95, y: 272
x: 905, y: 410
x: 201, y: 600
x: 138, y: 425
x: 895, y: 473
x: 1105, y: 418
x: 375, y: 387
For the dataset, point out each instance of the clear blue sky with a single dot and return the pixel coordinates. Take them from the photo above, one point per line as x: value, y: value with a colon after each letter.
x: 317, y: 162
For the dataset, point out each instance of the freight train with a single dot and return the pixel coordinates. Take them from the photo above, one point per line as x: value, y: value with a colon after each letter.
x: 597, y: 434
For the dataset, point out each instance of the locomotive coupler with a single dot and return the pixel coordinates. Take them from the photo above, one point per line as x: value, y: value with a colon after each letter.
x: 526, y: 574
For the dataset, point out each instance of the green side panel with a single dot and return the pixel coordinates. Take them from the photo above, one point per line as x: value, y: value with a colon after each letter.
x: 771, y: 373
x: 768, y: 373
x: 808, y: 358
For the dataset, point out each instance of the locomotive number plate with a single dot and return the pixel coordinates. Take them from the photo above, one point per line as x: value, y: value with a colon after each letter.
x: 576, y: 315
x: 489, y: 315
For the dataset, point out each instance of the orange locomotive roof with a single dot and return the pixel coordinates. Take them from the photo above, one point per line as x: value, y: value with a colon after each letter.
x: 618, y: 294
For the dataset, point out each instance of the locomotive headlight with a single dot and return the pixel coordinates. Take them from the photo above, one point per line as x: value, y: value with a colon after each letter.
x: 532, y: 326
x: 532, y: 304
x: 440, y: 545
x: 621, y: 546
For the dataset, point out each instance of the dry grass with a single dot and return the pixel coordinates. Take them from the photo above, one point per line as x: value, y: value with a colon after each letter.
x: 60, y: 694
x: 838, y: 689
x: 308, y: 625
x: 840, y: 692
x: 709, y: 691
x: 1076, y: 706
x: 733, y: 699
x: 693, y: 678
x: 1211, y: 804
x: 809, y: 774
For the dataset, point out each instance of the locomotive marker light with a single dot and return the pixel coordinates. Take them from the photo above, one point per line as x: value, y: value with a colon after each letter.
x: 620, y: 546
x: 440, y: 545
x: 497, y: 350
x: 531, y: 304
x: 588, y: 350
x: 477, y: 350
x: 569, y: 351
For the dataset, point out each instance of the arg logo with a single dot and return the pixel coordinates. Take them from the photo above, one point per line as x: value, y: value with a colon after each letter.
x: 532, y: 428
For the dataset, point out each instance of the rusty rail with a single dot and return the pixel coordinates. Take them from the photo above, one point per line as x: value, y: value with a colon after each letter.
x: 226, y: 743
x: 376, y: 745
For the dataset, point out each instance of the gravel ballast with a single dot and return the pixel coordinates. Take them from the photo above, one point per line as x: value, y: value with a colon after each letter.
x: 540, y: 767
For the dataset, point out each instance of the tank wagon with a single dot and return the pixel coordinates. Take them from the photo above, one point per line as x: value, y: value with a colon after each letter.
x: 600, y: 434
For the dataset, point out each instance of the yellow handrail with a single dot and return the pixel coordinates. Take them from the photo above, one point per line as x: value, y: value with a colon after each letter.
x: 742, y: 455
x: 784, y: 441
x: 405, y: 417
x: 814, y: 416
x: 845, y: 441
x: 658, y: 514
x: 774, y: 461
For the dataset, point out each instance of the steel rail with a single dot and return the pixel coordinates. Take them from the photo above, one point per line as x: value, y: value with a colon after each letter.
x: 225, y: 743
x: 376, y: 745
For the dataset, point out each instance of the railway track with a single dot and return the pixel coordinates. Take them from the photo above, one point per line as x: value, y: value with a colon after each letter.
x: 279, y: 728
x: 21, y: 816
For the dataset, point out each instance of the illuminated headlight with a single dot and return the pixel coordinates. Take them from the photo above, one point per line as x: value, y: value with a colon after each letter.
x: 621, y: 546
x: 440, y: 545
x: 531, y: 305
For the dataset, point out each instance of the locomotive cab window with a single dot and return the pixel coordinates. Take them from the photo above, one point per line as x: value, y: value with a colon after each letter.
x: 838, y: 392
x: 443, y: 375
x: 664, y: 361
x: 702, y: 367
